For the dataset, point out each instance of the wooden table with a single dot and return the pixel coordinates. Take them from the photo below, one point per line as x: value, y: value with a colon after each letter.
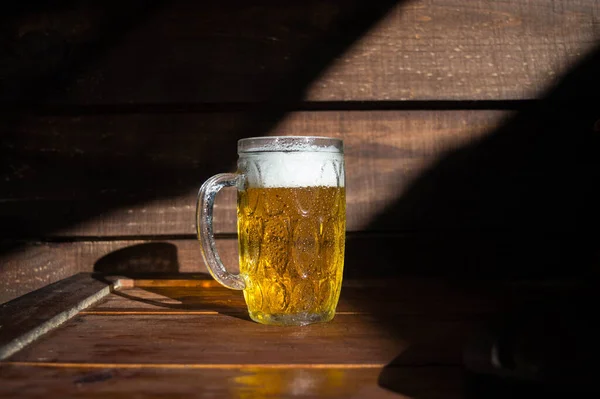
x: 470, y: 133
x: 186, y: 336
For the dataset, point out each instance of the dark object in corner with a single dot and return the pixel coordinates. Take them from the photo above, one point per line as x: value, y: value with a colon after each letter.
x: 548, y: 349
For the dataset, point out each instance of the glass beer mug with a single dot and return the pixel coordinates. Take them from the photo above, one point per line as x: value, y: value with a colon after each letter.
x: 291, y: 217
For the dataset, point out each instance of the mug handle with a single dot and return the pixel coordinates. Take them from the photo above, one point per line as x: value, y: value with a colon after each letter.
x: 204, y: 228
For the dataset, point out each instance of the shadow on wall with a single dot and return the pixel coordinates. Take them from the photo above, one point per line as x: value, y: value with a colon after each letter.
x: 140, y: 259
x: 110, y: 113
x: 520, y: 203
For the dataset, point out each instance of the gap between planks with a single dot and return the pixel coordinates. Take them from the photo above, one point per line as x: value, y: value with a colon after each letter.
x: 179, y: 366
x: 39, y: 109
x: 177, y: 312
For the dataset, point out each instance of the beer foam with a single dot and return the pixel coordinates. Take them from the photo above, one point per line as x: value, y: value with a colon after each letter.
x: 290, y: 144
x: 293, y: 169
x: 294, y: 147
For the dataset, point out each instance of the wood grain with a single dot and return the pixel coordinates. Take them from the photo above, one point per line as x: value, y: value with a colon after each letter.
x: 26, y: 319
x: 202, y: 332
x: 27, y: 267
x: 124, y: 175
x: 234, y: 339
x: 410, y: 321
x: 34, y: 265
x: 342, y: 50
x: 89, y: 381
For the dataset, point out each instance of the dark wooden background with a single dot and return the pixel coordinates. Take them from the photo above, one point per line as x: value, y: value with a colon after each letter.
x: 471, y: 129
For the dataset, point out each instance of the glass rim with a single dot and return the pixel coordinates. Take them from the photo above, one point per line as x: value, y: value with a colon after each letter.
x: 290, y: 144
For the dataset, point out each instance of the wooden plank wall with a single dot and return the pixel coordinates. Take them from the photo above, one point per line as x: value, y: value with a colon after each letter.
x: 470, y: 129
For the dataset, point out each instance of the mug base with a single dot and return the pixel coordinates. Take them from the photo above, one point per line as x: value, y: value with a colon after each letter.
x: 293, y: 319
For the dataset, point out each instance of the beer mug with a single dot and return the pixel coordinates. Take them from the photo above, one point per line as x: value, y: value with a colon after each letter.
x: 291, y: 220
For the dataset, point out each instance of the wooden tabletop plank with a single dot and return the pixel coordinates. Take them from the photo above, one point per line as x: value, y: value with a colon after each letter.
x: 234, y: 339
x: 215, y: 51
x: 25, y: 319
x: 88, y: 381
x: 416, y: 353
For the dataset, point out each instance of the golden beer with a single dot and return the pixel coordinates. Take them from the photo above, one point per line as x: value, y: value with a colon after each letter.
x: 291, y: 246
x: 291, y: 227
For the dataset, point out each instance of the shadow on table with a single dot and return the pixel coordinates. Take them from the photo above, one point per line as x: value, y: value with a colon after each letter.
x: 549, y: 348
x: 195, y: 297
x: 157, y: 265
